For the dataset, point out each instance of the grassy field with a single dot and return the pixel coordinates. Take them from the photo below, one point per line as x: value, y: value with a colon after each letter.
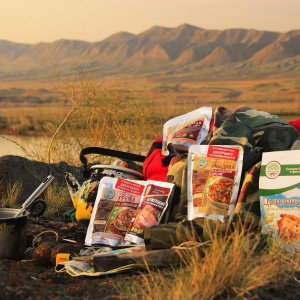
x: 125, y: 114
x: 112, y: 112
x: 277, y: 96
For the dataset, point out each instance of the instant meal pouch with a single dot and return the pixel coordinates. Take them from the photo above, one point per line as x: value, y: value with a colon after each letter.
x: 186, y: 130
x: 214, y: 174
x: 116, y: 203
x: 279, y: 189
x: 153, y: 206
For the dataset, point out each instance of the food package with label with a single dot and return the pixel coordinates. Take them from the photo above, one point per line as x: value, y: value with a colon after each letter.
x: 152, y: 209
x: 214, y: 174
x: 116, y: 203
x: 279, y: 190
x: 186, y: 130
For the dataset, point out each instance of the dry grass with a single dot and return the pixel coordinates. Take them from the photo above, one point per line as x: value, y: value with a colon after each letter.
x: 92, y: 115
x: 236, y: 267
x: 127, y: 114
x: 11, y: 195
x: 57, y: 199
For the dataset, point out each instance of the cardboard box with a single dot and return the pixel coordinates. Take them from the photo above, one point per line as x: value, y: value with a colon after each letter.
x: 279, y: 189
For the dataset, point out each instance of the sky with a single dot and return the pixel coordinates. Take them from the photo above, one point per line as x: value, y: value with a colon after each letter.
x: 34, y: 21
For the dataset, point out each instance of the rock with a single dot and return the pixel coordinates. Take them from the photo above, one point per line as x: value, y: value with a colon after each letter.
x: 31, y: 173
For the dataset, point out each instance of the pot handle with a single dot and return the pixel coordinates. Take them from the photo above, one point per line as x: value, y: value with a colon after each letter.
x: 107, y: 152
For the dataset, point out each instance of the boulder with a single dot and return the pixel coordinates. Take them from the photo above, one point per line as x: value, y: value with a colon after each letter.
x: 31, y: 173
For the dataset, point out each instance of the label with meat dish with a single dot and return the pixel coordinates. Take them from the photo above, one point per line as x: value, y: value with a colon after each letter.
x: 116, y: 203
x: 214, y: 174
x: 154, y: 203
x: 186, y: 130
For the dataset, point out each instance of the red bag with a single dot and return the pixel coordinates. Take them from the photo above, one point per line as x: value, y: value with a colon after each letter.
x: 296, y: 124
x: 155, y: 167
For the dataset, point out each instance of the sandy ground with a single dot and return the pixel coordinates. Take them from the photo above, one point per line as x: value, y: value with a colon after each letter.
x: 26, y: 279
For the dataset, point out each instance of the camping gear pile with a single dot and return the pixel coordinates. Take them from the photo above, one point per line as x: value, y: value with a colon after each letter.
x: 202, y: 175
x: 209, y: 172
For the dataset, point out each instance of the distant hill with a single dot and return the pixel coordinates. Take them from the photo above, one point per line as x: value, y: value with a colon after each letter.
x: 182, y: 51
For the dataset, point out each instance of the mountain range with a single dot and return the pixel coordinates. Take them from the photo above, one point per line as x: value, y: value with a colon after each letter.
x: 184, y: 51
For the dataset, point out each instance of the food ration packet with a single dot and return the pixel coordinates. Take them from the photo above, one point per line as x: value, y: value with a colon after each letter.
x: 214, y: 174
x: 115, y: 205
x: 186, y: 130
x: 279, y: 192
x: 153, y: 206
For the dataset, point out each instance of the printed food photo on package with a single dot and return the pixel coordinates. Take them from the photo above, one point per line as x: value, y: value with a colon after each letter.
x: 154, y: 204
x: 186, y: 130
x: 214, y: 174
x: 279, y: 188
x: 116, y: 203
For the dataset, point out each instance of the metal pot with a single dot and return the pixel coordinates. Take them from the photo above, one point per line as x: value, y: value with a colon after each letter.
x: 12, y: 234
